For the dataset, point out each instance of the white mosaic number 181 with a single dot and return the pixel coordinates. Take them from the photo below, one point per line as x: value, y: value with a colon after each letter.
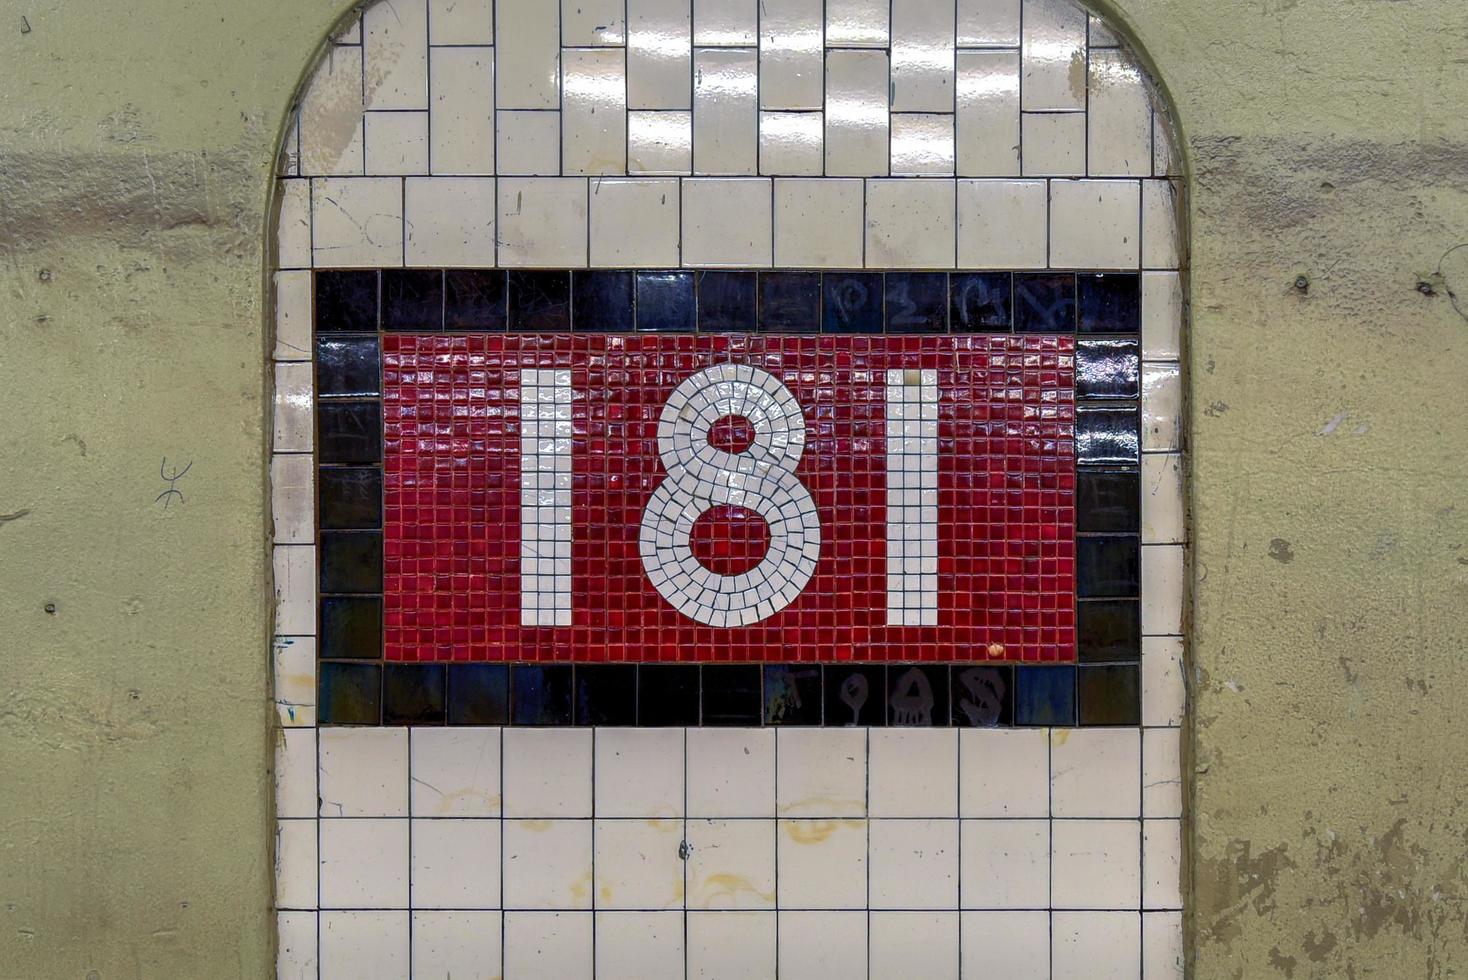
x: 760, y: 478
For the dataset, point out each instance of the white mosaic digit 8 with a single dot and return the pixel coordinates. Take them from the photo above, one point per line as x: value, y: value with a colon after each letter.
x: 761, y: 478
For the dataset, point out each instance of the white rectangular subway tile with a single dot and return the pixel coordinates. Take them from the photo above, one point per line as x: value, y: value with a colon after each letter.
x: 1093, y: 772
x: 547, y: 864
x: 638, y: 864
x: 1162, y: 946
x: 1093, y: 224
x: 294, y: 569
x: 1120, y: 124
x: 357, y: 222
x: 913, y: 864
x: 293, y: 498
x: 857, y: 116
x: 725, y: 111
x: 1053, y: 144
x: 727, y: 221
x: 1163, y: 586
x: 1160, y: 204
x: 857, y: 23
x: 1162, y: 863
x: 1015, y: 945
x: 1005, y: 864
x: 1053, y: 55
x: 1004, y: 772
x: 367, y: 943
x: 818, y: 222
x: 528, y: 69
x: 396, y: 143
x: 547, y: 772
x: 791, y: 54
x: 1096, y: 864
x: 450, y: 221
x: 542, y: 222
x: 731, y: 772
x: 292, y: 315
x: 639, y: 772
x: 660, y: 143
x: 461, y: 112
x: 1162, y: 782
x: 295, y: 945
x: 593, y: 23
x: 910, y: 223
x: 549, y: 945
x: 725, y: 23
x: 822, y: 772
x: 822, y: 945
x: 822, y: 864
x: 1003, y: 224
x: 1164, y: 692
x: 913, y: 772
x: 460, y: 21
x: 1162, y: 405
x: 659, y: 54
x: 455, y: 864
x: 528, y: 142
x: 792, y: 144
x: 594, y: 111
x: 331, y: 115
x: 454, y: 772
x: 634, y: 222
x: 1095, y: 945
x: 455, y: 943
x: 731, y: 864
x: 988, y: 23
x: 731, y: 945
x: 914, y: 944
x: 639, y: 946
x: 294, y: 674
x: 922, y: 55
x: 364, y: 772
x: 364, y: 864
x: 395, y: 55
x: 986, y: 124
x: 1162, y: 316
x: 295, y: 772
x: 295, y: 864
x: 293, y: 224
x: 1163, y: 515
x: 922, y: 144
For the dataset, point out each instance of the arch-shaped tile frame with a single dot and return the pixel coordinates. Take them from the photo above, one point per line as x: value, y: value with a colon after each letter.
x: 962, y: 134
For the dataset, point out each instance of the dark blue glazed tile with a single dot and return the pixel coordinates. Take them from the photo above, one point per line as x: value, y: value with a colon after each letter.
x: 540, y: 694
x: 351, y: 627
x: 606, y: 694
x: 1108, y: 368
x: 1045, y: 302
x: 346, y: 300
x: 474, y: 299
x: 348, y: 366
x: 1108, y: 567
x: 349, y: 432
x: 1045, y: 696
x: 793, y: 694
x: 983, y: 696
x: 349, y: 694
x: 665, y: 301
x: 413, y: 694
x: 917, y: 695
x: 726, y: 302
x: 667, y: 694
x: 1108, y: 630
x: 412, y: 299
x: 1110, y: 695
x: 917, y: 302
x: 981, y: 302
x: 1108, y: 435
x: 601, y: 301
x: 731, y: 694
x: 789, y: 302
x: 351, y: 561
x: 478, y: 694
x: 1109, y: 302
x: 349, y: 497
x: 539, y: 301
x: 856, y: 694
x: 1108, y: 501
x: 852, y: 302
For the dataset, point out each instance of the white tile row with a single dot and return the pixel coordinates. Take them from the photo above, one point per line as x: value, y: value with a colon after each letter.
x: 856, y: 88
x: 821, y: 773
x: 808, y: 945
x: 739, y: 222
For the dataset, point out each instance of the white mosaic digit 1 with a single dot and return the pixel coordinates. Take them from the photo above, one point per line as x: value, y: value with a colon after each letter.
x: 761, y: 478
x: 545, y: 497
x: 912, y: 498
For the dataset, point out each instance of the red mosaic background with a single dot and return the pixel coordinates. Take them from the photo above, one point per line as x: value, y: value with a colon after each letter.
x: 452, y: 498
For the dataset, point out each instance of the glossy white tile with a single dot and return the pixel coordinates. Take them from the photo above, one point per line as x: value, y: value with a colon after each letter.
x: 1162, y: 862
x: 818, y: 223
x: 1163, y: 517
x: 910, y: 224
x: 986, y: 126
x: 1095, y: 945
x: 1162, y: 316
x: 461, y: 111
x: 294, y: 570
x: 1093, y: 772
x: 455, y: 944
x: 549, y: 945
x: 460, y: 21
x: 1163, y: 689
x: 913, y: 772
x: 365, y: 945
x: 791, y: 52
x: 1101, y: 34
x: 857, y: 23
x: 1015, y: 945
x: 1160, y: 248
x: 914, y: 864
x: 395, y: 55
x: 293, y: 225
x: 364, y: 772
x: 1095, y: 864
x: 725, y: 23
x: 660, y: 142
x: 822, y: 945
x: 1093, y: 224
x: 1162, y: 946
x: 922, y: 144
x: 1120, y: 118
x: 542, y: 222
x: 639, y: 946
x: 528, y: 69
x: 988, y: 23
x: 295, y: 864
x: 294, y: 676
x: 295, y: 947
x: 1162, y: 782
x: 593, y: 23
x: 357, y: 221
x: 1163, y: 586
x: 1053, y: 144
x: 594, y: 111
x: 454, y: 772
x: 731, y: 945
x: 731, y: 772
x: 528, y: 143
x: 331, y: 115
x: 792, y: 143
x: 295, y: 772
x: 908, y: 944
x: 1005, y: 864
x: 857, y: 117
x: 547, y: 864
x: 1053, y: 51
x: 659, y: 43
x: 922, y: 55
x: 396, y: 143
x: 455, y: 864
x: 822, y: 772
x: 1004, y: 772
x: 449, y: 221
x: 727, y: 221
x: 725, y: 111
x: 547, y: 772
x: 364, y: 864
x: 1162, y: 404
x: 292, y: 498
x: 292, y: 315
x: 1003, y: 224
x: 731, y: 864
x: 638, y: 864
x: 639, y: 772
x: 822, y: 864
x: 634, y: 222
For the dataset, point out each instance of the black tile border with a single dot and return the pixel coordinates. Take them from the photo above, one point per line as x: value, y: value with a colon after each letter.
x: 354, y: 308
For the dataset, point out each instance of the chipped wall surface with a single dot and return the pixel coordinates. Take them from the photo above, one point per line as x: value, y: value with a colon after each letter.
x: 1329, y: 154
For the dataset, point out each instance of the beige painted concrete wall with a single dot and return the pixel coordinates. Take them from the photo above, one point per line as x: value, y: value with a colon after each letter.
x: 1328, y: 139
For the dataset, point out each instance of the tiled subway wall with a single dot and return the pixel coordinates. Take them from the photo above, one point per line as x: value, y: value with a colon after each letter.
x: 656, y: 139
